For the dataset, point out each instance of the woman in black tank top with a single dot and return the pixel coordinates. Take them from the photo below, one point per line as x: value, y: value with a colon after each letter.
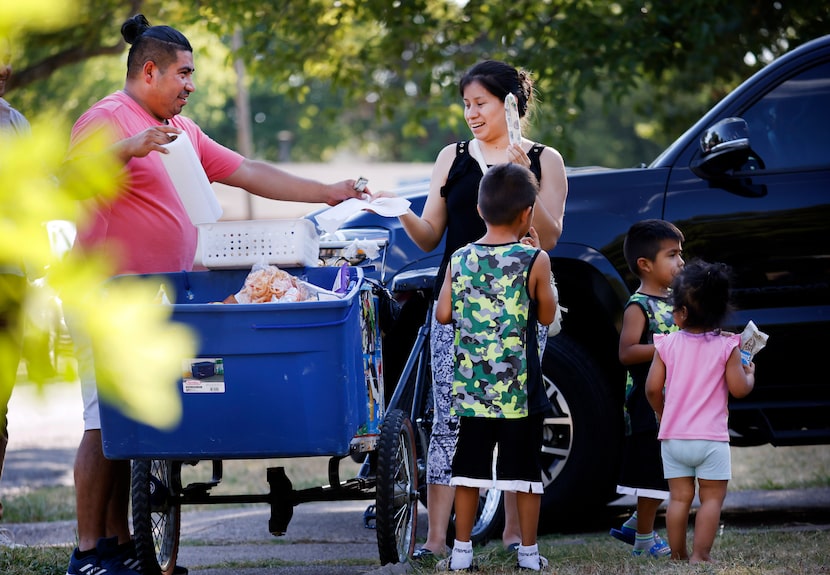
x: 451, y: 207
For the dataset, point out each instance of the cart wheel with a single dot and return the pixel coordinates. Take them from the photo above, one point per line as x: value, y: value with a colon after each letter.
x: 397, y: 489
x: 156, y: 485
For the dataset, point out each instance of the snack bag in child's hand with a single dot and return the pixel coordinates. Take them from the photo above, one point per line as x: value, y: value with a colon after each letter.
x: 753, y: 340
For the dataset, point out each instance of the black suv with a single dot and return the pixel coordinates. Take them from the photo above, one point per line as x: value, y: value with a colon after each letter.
x: 749, y: 185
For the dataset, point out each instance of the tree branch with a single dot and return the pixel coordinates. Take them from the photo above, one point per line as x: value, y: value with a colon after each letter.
x: 43, y: 69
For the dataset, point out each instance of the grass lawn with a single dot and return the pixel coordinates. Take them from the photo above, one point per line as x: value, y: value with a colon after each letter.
x: 740, y: 551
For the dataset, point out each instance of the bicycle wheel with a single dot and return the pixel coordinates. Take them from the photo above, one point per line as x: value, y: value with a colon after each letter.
x: 156, y: 514
x: 396, y: 489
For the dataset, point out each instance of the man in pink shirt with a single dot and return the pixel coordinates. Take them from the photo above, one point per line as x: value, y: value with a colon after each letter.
x: 147, y: 228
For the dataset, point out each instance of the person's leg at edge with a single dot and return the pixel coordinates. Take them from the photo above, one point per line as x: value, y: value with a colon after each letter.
x: 646, y: 513
x: 512, y: 533
x: 6, y: 385
x: 520, y: 467
x: 94, y: 477
x: 119, y: 503
x: 12, y: 287
x: 466, y: 505
x: 101, y: 484
x: 439, y: 508
x: 707, y: 521
x: 440, y: 494
x: 682, y: 491
x: 529, y: 506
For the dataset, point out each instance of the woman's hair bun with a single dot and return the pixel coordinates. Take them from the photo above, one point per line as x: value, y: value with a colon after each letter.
x: 133, y: 28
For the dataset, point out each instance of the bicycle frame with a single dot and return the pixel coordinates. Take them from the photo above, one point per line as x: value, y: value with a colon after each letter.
x: 418, y: 360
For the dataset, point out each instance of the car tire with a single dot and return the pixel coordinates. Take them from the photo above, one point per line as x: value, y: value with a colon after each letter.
x: 582, y: 437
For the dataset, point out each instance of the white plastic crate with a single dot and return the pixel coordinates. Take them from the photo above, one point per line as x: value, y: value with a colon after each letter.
x: 241, y: 244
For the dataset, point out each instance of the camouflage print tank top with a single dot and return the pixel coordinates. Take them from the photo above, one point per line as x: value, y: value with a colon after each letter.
x: 491, y: 309
x: 639, y: 417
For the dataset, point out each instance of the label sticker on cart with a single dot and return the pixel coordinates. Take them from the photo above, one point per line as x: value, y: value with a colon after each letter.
x: 200, y: 386
x: 203, y: 375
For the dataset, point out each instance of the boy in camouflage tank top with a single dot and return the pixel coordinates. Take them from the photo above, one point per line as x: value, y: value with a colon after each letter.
x: 652, y: 249
x: 495, y: 291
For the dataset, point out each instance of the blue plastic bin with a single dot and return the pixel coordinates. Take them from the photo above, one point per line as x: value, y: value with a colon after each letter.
x: 290, y: 382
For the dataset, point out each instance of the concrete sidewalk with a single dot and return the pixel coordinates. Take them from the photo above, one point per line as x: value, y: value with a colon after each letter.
x: 321, y: 538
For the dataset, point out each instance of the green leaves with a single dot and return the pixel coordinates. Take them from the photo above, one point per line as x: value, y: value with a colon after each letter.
x: 390, y: 68
x: 138, y: 351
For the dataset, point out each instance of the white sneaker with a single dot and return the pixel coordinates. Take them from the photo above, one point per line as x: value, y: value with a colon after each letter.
x: 543, y: 564
x: 446, y: 565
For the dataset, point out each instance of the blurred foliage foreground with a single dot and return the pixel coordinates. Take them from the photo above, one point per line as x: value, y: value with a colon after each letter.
x: 137, y: 350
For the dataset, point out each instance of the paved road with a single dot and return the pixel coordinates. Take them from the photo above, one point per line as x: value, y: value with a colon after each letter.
x: 45, y: 429
x: 322, y: 537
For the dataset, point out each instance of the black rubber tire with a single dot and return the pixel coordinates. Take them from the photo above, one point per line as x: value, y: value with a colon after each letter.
x: 156, y: 514
x: 396, y: 491
x: 423, y: 429
x: 582, y: 441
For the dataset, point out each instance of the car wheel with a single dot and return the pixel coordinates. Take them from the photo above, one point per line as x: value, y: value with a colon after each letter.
x: 582, y: 437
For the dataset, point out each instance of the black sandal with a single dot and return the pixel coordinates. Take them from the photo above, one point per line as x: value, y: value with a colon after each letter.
x: 422, y: 553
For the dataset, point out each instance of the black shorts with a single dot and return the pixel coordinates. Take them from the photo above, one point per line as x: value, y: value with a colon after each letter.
x: 519, y: 444
x: 641, y: 473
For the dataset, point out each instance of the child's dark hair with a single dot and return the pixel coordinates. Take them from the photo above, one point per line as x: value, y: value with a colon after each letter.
x: 159, y: 44
x: 703, y: 289
x: 505, y: 191
x: 643, y: 241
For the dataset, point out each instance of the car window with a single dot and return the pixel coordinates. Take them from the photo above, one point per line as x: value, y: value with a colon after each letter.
x: 789, y: 128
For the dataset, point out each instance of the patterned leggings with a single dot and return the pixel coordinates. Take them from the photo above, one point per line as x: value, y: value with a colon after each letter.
x: 444, y: 424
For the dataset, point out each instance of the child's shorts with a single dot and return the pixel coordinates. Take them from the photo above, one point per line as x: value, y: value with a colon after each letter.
x: 641, y: 472
x: 517, y: 465
x: 701, y: 458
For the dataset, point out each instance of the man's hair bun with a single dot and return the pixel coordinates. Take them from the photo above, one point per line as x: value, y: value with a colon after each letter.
x: 133, y: 28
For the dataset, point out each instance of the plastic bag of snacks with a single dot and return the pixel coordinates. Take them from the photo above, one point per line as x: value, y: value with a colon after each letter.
x: 753, y: 340
x: 269, y: 284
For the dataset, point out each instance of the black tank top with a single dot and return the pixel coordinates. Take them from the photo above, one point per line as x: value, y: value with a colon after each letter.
x: 464, y: 225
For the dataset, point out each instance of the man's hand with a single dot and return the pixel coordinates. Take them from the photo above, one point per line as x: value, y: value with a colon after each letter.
x: 336, y: 193
x: 150, y: 140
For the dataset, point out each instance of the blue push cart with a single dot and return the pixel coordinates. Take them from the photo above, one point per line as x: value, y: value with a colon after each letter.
x: 278, y: 380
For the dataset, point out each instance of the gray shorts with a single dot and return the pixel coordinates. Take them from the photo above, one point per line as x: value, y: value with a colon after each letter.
x: 701, y: 458
x: 86, y: 373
